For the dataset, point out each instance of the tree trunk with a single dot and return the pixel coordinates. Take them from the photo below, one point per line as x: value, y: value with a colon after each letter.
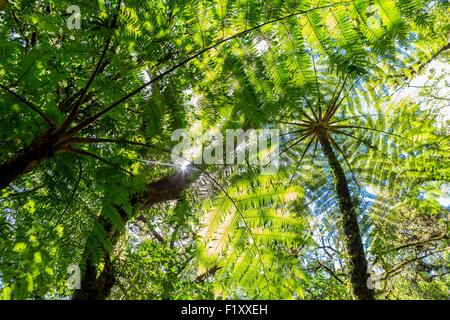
x: 357, y: 263
x: 40, y: 149
x: 97, y: 286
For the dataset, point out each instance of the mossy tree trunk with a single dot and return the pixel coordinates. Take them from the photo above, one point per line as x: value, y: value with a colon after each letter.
x: 357, y: 263
x: 97, y: 285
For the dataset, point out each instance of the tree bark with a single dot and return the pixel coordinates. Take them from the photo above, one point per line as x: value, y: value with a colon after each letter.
x: 97, y: 286
x: 40, y: 149
x: 357, y: 263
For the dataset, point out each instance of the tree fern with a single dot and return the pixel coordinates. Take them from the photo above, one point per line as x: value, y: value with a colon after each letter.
x: 249, y: 234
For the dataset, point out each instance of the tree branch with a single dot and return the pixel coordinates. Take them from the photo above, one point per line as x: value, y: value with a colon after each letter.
x: 426, y: 63
x: 97, y: 116
x: 30, y: 105
x: 94, y: 156
x: 76, y: 108
x: 416, y: 243
x: 118, y: 141
x: 210, y: 272
x: 331, y: 272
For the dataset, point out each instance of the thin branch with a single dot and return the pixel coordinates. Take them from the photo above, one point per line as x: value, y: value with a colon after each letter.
x: 16, y: 83
x: 413, y: 244
x: 209, y: 273
x: 30, y: 105
x: 346, y: 161
x: 97, y: 116
x: 244, y: 221
x: 295, y: 123
x: 425, y: 63
x: 372, y: 129
x: 356, y: 117
x: 315, y: 148
x: 94, y: 156
x: 331, y: 272
x: 123, y: 289
x: 365, y: 143
x: 293, y: 132
x: 121, y: 141
x: 312, y: 110
x: 293, y: 145
x: 336, y: 106
x: 394, y: 270
x: 118, y: 141
x: 317, y: 85
x: 73, y: 114
x: 334, y: 99
x: 152, y: 229
x: 24, y: 193
x: 303, y: 155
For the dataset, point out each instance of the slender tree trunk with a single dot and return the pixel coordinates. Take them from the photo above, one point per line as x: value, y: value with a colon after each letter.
x: 97, y: 286
x: 357, y: 263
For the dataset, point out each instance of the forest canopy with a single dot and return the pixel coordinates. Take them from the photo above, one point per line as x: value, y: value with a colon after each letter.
x: 93, y: 205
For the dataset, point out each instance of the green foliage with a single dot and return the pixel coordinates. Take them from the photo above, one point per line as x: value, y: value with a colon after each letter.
x: 112, y: 93
x: 252, y: 235
x: 154, y: 271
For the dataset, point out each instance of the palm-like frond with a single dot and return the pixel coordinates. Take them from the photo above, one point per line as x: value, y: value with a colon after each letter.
x: 251, y: 234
